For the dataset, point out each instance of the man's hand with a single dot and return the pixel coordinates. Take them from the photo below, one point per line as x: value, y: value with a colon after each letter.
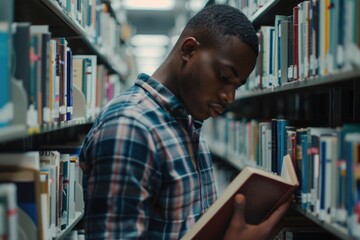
x: 239, y: 229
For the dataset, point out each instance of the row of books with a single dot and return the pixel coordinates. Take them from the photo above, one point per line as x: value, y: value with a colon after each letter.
x: 40, y: 194
x: 294, y: 225
x: 318, y: 39
x: 42, y: 73
x: 51, y: 72
x: 94, y: 17
x: 326, y: 160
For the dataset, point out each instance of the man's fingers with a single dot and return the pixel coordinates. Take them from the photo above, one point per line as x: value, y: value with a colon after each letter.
x: 278, y: 214
x: 238, y: 219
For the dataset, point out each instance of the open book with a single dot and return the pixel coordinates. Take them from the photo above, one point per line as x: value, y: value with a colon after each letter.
x: 264, y: 192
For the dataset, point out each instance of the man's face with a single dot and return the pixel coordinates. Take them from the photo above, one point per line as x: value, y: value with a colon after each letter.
x: 211, y: 75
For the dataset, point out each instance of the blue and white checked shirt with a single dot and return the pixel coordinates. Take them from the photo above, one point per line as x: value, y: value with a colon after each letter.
x: 148, y: 172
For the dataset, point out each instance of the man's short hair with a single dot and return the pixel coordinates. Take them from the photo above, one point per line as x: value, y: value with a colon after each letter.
x: 218, y: 21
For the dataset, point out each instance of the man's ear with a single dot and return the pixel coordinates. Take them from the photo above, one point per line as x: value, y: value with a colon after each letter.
x: 188, y: 47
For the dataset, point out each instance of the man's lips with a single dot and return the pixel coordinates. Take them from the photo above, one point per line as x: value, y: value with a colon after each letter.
x: 216, y: 109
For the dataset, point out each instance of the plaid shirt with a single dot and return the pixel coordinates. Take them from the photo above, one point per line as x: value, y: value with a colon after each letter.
x: 147, y: 170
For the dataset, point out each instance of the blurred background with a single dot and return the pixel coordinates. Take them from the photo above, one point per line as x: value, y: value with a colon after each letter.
x: 150, y: 28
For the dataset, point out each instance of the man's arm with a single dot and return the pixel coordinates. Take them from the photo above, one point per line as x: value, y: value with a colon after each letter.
x: 121, y: 179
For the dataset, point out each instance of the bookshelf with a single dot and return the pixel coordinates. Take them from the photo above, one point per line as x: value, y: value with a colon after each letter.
x: 324, y: 98
x: 61, y: 24
x: 51, y: 124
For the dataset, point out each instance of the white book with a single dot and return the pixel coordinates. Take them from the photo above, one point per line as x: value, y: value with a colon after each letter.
x: 50, y: 160
x: 28, y: 160
x: 9, y: 216
x: 90, y: 95
x: 72, y: 190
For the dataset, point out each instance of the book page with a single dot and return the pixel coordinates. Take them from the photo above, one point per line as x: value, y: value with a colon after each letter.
x: 288, y: 171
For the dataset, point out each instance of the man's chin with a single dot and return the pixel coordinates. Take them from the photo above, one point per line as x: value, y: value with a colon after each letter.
x: 200, y: 117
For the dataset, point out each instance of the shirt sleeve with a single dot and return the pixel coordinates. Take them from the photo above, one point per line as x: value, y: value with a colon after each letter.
x: 121, y: 173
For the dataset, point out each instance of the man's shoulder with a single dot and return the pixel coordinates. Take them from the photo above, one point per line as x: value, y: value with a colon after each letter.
x: 136, y: 105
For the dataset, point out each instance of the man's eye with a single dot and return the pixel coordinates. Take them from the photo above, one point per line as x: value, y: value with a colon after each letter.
x: 224, y: 78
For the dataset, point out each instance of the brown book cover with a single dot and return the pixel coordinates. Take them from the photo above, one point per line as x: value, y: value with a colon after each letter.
x: 264, y: 192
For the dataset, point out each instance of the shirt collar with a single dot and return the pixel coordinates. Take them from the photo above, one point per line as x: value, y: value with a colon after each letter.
x: 163, y: 96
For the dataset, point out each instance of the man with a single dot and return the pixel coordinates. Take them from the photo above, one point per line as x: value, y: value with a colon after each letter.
x: 147, y: 168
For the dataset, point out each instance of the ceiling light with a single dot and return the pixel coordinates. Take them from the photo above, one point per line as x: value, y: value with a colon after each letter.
x: 149, y: 40
x: 149, y: 5
x: 196, y: 5
x: 154, y: 52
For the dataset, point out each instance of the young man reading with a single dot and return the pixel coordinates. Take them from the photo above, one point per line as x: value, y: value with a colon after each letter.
x: 148, y: 171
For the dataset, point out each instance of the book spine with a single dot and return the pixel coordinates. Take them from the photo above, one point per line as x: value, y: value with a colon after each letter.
x: 305, y: 172
x: 6, y: 18
x: 274, y: 149
x: 296, y: 42
x: 4, y: 74
x: 281, y: 142
x: 69, y: 86
x: 62, y: 79
x: 45, y: 73
x: 9, y: 216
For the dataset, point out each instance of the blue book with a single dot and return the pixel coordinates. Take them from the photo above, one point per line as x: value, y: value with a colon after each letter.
x: 305, y: 188
x: 4, y: 76
x: 351, y: 143
x: 69, y: 85
x: 274, y: 148
x: 342, y: 176
x: 271, y: 53
x: 341, y: 33
x: 6, y: 18
x: 281, y: 142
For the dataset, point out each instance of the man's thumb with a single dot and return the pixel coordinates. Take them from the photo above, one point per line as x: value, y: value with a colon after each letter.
x: 238, y: 219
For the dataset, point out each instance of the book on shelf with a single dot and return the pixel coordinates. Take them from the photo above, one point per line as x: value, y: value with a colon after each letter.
x: 295, y: 43
x: 69, y: 85
x: 21, y: 47
x: 352, y: 178
x: 8, y: 211
x: 328, y: 146
x: 283, y: 51
x: 50, y: 162
x: 277, y: 57
x: 6, y: 18
x: 23, y: 169
x: 88, y: 82
x: 61, y: 46
x: 260, y: 204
